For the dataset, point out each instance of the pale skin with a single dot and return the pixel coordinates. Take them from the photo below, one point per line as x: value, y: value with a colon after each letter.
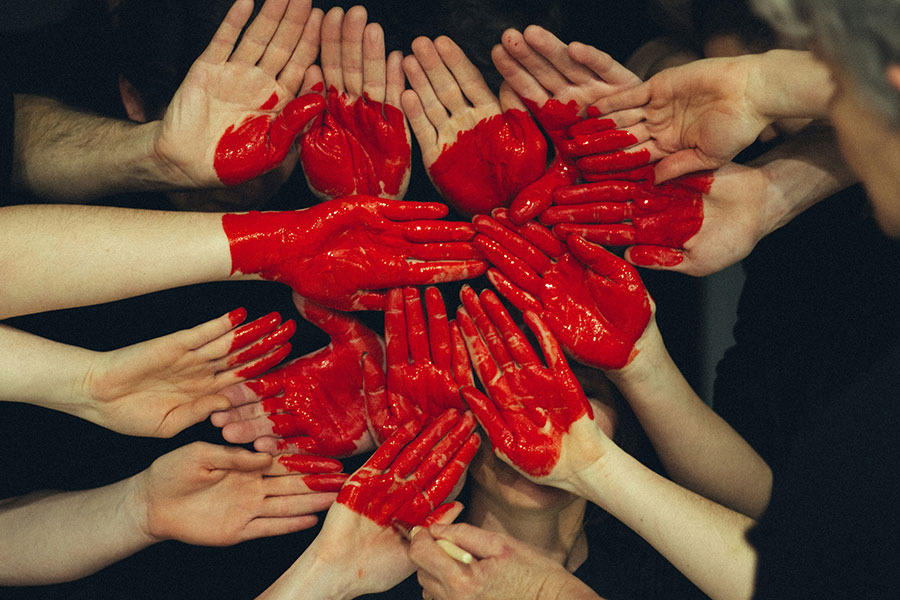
x: 199, y: 494
x: 66, y: 155
x: 155, y: 388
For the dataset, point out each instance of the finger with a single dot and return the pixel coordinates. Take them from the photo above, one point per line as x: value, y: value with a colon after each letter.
x: 655, y: 257
x: 550, y: 347
x: 517, y: 270
x: 683, y: 162
x: 257, y: 368
x: 304, y: 55
x: 539, y: 67
x: 460, y: 365
x: 597, y: 258
x: 297, y: 504
x: 251, y: 332
x: 432, y: 107
x: 235, y: 459
x: 509, y: 99
x: 429, y: 273
x: 484, y: 364
x: 418, y: 462
x: 445, y: 86
x: 488, y: 410
x: 630, y: 98
x: 438, y: 231
x: 383, y: 458
x: 518, y: 78
x: 184, y: 415
x: 258, y: 35
x: 598, y: 142
x: 395, y: 330
x: 288, y: 464
x: 556, y: 53
x: 282, y: 45
x: 296, y: 484
x: 313, y: 81
x: 201, y: 335
x: 438, y: 329
x: 516, y: 342
x: 339, y: 326
x: 445, y: 513
x: 441, y: 251
x: 608, y: 235
x: 245, y: 432
x: 469, y: 79
x: 537, y: 196
x: 603, y: 65
x: 410, y: 211
x: 600, y: 191
x: 271, y: 342
x: 374, y: 63
x: 415, y: 330
x: 375, y: 392
x: 352, y: 32
x: 510, y: 239
x: 223, y: 41
x: 599, y: 212
x: 487, y: 331
x: 518, y: 297
x: 396, y: 80
x: 619, y: 160
x: 332, y: 70
x: 541, y: 237
x: 421, y: 126
x: 267, y: 527
x: 477, y: 541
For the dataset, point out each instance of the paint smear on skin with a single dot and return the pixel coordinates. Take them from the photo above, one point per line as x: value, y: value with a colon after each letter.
x: 254, y: 330
x: 270, y: 103
x: 237, y: 316
x: 358, y: 147
x: 489, y: 164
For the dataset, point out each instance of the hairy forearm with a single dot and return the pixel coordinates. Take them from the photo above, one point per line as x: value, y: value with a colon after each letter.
x: 704, y: 540
x: 56, y: 256
x: 62, y: 154
x: 51, y: 537
x: 791, y: 83
x: 698, y: 449
x: 805, y: 169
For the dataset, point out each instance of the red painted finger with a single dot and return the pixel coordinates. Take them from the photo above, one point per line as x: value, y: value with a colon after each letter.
x: 597, y: 142
x: 512, y: 241
x: 645, y: 173
x: 287, y: 125
x: 519, y: 347
x: 395, y: 330
x: 442, y: 251
x: 302, y: 463
x: 415, y: 454
x: 619, y: 160
x: 429, y: 273
x: 516, y: 295
x: 597, y: 258
x: 438, y: 513
x: 655, y: 256
x: 591, y: 125
x: 601, y: 191
x: 237, y: 316
x: 412, y: 211
x: 461, y: 367
x: 254, y: 330
x: 487, y: 330
x: 437, y: 231
x: 386, y: 454
x: 542, y: 238
x: 485, y: 366
x: 326, y: 482
x: 375, y: 392
x: 438, y: 329
x: 490, y: 417
x: 416, y: 331
x: 340, y: 327
x: 275, y: 339
x: 537, y: 196
x: 609, y: 235
x: 518, y: 271
x: 265, y: 363
x: 599, y: 212
x: 270, y: 384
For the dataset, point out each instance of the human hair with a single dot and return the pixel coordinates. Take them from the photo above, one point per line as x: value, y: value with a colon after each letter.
x: 863, y: 36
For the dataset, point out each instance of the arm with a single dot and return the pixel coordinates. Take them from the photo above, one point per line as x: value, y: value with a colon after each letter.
x: 234, y: 117
x: 407, y: 479
x: 198, y: 494
x: 700, y: 115
x: 155, y: 388
x: 64, y: 256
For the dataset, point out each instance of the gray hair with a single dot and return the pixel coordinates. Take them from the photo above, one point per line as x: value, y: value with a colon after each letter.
x: 862, y: 36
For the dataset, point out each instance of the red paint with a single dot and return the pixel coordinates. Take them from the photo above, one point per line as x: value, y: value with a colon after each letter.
x: 264, y: 364
x: 236, y: 317
x: 301, y: 463
x: 598, y: 142
x: 315, y: 403
x: 624, y: 213
x: 555, y: 117
x: 655, y: 256
x: 329, y: 482
x: 413, y: 472
x: 259, y: 143
x: 254, y: 330
x: 489, y: 164
x: 530, y: 407
x: 594, y: 303
x: 270, y: 103
x: 360, y: 147
x: 426, y: 364
x: 272, y: 342
x: 344, y: 253
x: 535, y: 198
x: 619, y: 160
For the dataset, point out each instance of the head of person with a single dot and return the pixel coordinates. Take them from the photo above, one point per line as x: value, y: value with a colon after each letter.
x: 156, y: 43
x: 859, y: 41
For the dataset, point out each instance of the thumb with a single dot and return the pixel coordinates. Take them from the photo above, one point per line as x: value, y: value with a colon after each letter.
x: 191, y: 413
x: 290, y: 122
x: 476, y: 541
x: 681, y: 163
x: 237, y: 459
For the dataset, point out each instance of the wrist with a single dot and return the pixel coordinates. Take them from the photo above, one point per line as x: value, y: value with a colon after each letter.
x: 789, y: 83
x: 316, y: 575
x: 136, y: 510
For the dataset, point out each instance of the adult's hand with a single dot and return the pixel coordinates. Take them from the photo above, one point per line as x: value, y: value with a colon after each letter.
x: 313, y: 404
x: 504, y: 569
x: 160, y: 387
x: 477, y: 155
x: 536, y: 416
x: 217, y: 496
x: 235, y: 116
x: 408, y: 478
x: 361, y: 144
x: 426, y: 364
x: 594, y: 302
x: 343, y: 253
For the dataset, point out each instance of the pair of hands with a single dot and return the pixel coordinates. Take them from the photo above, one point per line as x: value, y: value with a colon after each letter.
x: 237, y: 114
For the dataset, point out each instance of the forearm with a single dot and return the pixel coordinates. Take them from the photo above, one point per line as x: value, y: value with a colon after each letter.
x: 805, y: 169
x: 56, y: 256
x: 790, y: 83
x: 42, y: 372
x: 704, y: 540
x: 698, y: 449
x: 66, y: 155
x: 51, y: 537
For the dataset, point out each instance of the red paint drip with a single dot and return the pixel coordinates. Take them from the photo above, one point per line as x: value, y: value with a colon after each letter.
x: 489, y: 164
x: 356, y: 148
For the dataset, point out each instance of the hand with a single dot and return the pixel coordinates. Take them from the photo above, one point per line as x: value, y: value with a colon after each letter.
x: 506, y: 569
x: 657, y: 221
x: 217, y: 496
x: 314, y: 404
x: 426, y: 365
x: 558, y: 84
x: 160, y: 387
x: 235, y: 116
x: 477, y: 155
x: 357, y: 551
x: 537, y: 417
x: 700, y: 114
x: 361, y: 144
x: 341, y: 253
x: 595, y: 303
